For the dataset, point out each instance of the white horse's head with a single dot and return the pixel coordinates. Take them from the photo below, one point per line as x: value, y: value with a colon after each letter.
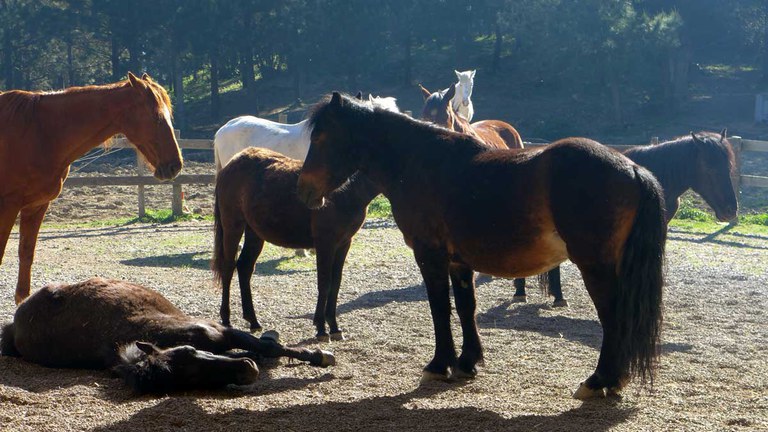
x: 464, y: 86
x: 388, y: 103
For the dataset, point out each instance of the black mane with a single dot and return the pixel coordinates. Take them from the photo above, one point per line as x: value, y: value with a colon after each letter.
x: 144, y: 373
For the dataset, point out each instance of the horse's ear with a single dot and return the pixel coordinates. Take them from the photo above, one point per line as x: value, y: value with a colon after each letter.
x: 723, y: 134
x: 370, y: 98
x: 359, y: 95
x: 450, y: 93
x: 695, y: 138
x: 336, y: 99
x: 133, y: 80
x: 472, y: 73
x: 424, y: 92
x: 146, y: 347
x: 145, y: 76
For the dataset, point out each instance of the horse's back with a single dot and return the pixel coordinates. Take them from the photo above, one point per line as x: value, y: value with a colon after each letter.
x: 248, y: 131
x: 259, y: 187
x: 498, y: 133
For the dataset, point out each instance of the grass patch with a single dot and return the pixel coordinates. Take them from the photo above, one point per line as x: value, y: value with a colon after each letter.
x: 167, y: 216
x: 380, y: 208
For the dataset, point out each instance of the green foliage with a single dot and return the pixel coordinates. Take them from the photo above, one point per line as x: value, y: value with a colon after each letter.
x: 380, y: 208
x: 166, y: 216
x: 754, y: 219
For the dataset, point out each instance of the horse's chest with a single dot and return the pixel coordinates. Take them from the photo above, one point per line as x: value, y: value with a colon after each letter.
x: 31, y: 188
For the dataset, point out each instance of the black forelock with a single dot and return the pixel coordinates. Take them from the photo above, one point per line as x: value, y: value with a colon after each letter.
x: 143, y: 372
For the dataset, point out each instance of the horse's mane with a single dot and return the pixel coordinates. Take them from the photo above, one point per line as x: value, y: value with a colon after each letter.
x: 670, y: 160
x: 143, y: 372
x: 17, y: 104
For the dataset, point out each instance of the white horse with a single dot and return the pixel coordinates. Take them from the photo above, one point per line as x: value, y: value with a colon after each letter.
x: 291, y: 140
x: 461, y: 103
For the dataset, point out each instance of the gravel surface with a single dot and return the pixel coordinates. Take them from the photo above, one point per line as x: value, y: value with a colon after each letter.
x: 712, y: 374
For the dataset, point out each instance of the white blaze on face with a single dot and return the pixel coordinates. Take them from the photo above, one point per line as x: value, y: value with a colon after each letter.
x: 167, y: 116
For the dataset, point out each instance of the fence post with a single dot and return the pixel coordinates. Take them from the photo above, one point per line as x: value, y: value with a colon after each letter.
x: 282, y: 118
x: 140, y: 171
x: 409, y: 113
x: 177, y: 199
x: 736, y: 144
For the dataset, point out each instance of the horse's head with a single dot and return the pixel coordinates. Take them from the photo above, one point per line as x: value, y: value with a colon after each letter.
x: 714, y: 165
x: 437, y: 107
x: 333, y: 153
x: 149, y: 369
x: 465, y: 85
x: 147, y: 124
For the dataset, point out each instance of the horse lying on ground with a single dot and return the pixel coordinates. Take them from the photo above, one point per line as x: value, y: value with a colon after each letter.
x: 156, y: 348
x: 291, y: 140
x: 256, y: 195
x: 41, y: 134
x: 493, y: 133
x: 510, y: 213
x: 700, y: 161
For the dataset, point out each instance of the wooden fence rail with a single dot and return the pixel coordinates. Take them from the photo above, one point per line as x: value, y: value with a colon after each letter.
x: 141, y: 179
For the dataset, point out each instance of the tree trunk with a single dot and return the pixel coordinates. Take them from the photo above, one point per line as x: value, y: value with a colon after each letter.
x: 247, y: 76
x: 8, y: 60
x: 114, y: 57
x: 214, y: 57
x: 496, y: 47
x: 70, y: 63
x: 408, y: 54
x: 615, y: 87
x: 180, y: 117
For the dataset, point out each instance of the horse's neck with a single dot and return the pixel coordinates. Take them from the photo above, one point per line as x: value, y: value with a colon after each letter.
x: 79, y: 121
x: 358, y: 193
x: 669, y: 163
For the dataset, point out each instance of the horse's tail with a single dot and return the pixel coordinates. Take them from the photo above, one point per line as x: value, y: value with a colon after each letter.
x: 216, y: 158
x: 638, y: 308
x: 8, y: 341
x: 218, y: 240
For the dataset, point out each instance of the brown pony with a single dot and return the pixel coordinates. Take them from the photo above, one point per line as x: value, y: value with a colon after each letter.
x: 510, y: 213
x: 256, y: 195
x: 494, y: 133
x: 41, y: 134
x: 702, y: 161
x: 102, y: 323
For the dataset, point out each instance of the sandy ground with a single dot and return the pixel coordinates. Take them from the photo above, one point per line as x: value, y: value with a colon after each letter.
x: 711, y: 377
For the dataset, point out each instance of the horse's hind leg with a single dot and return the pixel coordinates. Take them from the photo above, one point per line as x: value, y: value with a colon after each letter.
x: 29, y: 227
x: 268, y: 347
x: 246, y: 264
x: 555, y: 287
x: 602, y: 284
x: 230, y: 239
x: 463, y: 281
x: 519, y: 296
x: 333, y: 295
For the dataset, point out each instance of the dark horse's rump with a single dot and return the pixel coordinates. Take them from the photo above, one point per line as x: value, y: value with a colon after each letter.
x: 256, y: 196
x: 95, y: 323
x: 510, y: 213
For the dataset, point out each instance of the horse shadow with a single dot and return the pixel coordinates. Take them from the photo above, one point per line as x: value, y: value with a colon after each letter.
x: 202, y: 261
x: 383, y: 413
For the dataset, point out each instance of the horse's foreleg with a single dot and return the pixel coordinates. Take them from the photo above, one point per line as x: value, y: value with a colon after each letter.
x: 246, y: 263
x: 29, y: 227
x: 269, y: 347
x: 463, y: 281
x: 325, y: 251
x: 519, y: 296
x: 7, y: 218
x: 555, y: 287
x: 602, y: 283
x: 433, y: 264
x: 333, y: 295
x: 230, y: 238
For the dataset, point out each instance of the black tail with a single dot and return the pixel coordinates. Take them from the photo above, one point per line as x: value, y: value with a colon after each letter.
x: 218, y: 240
x: 8, y: 341
x: 641, y: 280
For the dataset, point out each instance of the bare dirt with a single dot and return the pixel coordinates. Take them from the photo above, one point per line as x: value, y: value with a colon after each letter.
x: 711, y: 377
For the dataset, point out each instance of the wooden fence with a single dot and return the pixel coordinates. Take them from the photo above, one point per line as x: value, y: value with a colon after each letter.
x: 141, y: 179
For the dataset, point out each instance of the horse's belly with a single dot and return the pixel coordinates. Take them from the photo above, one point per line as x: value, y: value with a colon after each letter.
x: 535, y: 257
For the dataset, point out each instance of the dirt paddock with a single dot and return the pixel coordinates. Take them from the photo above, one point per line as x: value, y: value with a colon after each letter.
x: 712, y: 374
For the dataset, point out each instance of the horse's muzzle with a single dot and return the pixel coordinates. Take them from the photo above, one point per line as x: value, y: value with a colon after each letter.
x: 309, y: 195
x: 168, y: 171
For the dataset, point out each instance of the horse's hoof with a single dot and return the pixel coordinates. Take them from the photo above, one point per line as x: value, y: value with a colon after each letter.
x: 560, y: 303
x: 337, y: 336
x: 302, y: 253
x: 226, y: 324
x: 584, y: 392
x: 271, y: 335
x: 519, y: 299
x: 428, y: 376
x: 328, y: 358
x: 256, y: 328
x: 323, y: 338
x: 614, y: 392
x: 459, y: 373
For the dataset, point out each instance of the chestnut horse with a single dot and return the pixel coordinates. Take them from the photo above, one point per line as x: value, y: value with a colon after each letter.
x: 41, y: 134
x: 700, y: 161
x: 256, y: 195
x: 510, y: 213
x: 102, y: 323
x: 494, y: 133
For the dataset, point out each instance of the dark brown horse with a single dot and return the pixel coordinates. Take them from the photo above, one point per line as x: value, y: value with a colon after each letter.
x: 256, y: 195
x: 41, y: 134
x: 510, y: 213
x: 101, y: 323
x: 702, y: 161
x: 494, y: 133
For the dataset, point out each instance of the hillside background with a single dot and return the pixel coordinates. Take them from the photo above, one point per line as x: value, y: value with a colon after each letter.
x: 618, y: 71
